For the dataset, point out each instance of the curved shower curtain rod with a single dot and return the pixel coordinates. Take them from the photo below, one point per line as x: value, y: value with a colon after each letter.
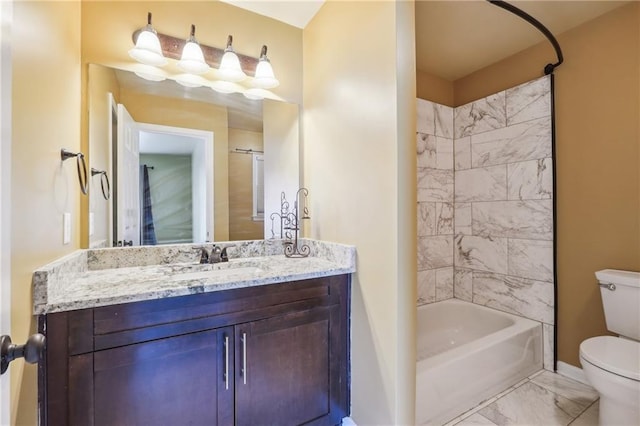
x: 548, y: 69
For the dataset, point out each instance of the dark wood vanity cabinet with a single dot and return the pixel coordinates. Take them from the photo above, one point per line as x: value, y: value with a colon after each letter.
x: 267, y: 355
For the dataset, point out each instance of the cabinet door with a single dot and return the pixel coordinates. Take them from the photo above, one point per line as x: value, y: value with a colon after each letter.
x: 285, y: 369
x: 172, y: 381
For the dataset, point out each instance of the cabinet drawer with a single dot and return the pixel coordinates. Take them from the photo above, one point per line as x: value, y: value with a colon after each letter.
x: 130, y: 323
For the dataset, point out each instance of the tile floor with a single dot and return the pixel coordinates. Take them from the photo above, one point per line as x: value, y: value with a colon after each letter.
x: 544, y: 399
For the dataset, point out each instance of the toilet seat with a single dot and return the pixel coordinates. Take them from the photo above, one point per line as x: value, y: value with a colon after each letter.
x: 613, y: 354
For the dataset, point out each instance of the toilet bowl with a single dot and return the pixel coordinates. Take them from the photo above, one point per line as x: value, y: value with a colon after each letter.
x: 612, y: 367
x: 612, y: 364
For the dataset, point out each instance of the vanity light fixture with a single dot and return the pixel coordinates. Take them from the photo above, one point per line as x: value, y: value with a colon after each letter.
x: 230, y: 69
x: 264, y: 77
x: 147, y: 49
x: 192, y: 60
x: 195, y: 59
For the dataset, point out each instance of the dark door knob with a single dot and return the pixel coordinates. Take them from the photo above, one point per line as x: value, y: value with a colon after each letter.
x: 31, y: 351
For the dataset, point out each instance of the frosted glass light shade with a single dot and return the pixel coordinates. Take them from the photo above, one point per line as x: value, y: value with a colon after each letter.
x: 147, y: 49
x: 149, y: 76
x: 225, y: 87
x: 190, y: 80
x: 254, y: 94
x: 264, y: 77
x: 192, y: 60
x: 230, y: 69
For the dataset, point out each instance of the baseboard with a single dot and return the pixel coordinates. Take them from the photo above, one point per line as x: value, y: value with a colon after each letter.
x: 348, y: 421
x: 572, y: 372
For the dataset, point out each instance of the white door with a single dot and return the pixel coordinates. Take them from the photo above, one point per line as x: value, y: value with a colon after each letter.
x: 128, y: 179
x: 6, y: 18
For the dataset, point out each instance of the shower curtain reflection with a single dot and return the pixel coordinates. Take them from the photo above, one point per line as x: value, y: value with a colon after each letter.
x: 170, y: 198
x: 148, y: 228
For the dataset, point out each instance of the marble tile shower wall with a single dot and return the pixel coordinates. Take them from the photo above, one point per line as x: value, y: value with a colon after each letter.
x: 502, y: 184
x: 435, y: 202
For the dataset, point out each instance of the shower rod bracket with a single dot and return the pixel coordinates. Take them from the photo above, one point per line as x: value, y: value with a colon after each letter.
x: 549, y: 68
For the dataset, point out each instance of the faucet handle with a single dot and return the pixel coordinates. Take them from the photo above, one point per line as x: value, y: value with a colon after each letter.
x: 204, y: 255
x: 224, y: 257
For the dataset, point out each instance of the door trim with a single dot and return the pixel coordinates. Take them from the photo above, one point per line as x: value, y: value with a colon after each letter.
x: 203, y: 187
x: 6, y: 20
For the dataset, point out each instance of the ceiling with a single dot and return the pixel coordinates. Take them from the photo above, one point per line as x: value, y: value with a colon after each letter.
x: 293, y: 12
x: 457, y: 37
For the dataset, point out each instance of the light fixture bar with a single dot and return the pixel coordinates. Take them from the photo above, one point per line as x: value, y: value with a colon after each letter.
x: 172, y: 48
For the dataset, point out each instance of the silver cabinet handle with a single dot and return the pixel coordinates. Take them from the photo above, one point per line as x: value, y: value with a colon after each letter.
x: 226, y: 362
x: 244, y: 358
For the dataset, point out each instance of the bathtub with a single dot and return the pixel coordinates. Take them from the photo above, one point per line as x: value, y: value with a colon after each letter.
x: 467, y: 353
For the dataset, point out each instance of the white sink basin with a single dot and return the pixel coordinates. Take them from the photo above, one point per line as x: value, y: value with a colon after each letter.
x: 217, y: 273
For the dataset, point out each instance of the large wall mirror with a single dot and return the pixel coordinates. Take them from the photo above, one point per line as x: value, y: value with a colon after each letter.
x: 184, y: 164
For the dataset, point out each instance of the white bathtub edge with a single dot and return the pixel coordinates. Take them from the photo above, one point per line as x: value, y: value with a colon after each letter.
x: 572, y: 372
x: 348, y: 421
x: 512, y: 353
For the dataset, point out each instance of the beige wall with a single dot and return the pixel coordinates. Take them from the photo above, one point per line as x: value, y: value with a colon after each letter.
x: 46, y: 105
x: 359, y: 166
x: 598, y: 158
x: 192, y: 115
x: 102, y: 82
x: 282, y: 156
x: 433, y: 88
x: 241, y: 223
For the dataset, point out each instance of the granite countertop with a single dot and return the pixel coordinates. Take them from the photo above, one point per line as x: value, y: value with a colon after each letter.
x: 101, y: 277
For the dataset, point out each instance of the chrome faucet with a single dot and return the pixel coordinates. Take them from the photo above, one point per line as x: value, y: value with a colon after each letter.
x: 216, y: 255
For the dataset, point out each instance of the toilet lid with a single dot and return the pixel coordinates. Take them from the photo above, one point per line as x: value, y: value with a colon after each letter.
x: 616, y: 355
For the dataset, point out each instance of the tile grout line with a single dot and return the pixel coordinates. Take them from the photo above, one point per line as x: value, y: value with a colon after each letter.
x: 597, y: 401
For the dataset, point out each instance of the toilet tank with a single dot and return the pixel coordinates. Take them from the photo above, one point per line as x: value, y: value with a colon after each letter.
x: 622, y: 305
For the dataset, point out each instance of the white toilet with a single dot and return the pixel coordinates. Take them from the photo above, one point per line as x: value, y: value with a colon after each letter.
x: 612, y: 364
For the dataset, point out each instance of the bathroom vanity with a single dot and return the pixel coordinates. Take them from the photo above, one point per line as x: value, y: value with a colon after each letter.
x: 260, y: 340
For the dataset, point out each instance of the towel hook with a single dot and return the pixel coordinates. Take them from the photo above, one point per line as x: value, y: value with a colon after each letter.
x: 106, y: 193
x: 83, y: 177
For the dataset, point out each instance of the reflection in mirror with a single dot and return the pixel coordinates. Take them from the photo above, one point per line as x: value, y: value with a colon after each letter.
x: 187, y: 164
